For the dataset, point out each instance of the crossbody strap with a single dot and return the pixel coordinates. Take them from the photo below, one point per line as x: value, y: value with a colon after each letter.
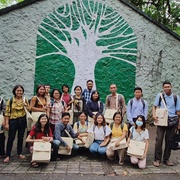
x: 163, y: 100
x: 67, y: 133
x: 40, y: 101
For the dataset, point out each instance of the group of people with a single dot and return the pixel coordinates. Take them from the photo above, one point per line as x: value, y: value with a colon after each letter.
x: 62, y: 114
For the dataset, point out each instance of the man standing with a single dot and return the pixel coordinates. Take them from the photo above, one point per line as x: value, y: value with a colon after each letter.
x: 173, y: 105
x: 63, y: 129
x: 136, y: 106
x: 47, y: 95
x: 87, y: 92
x: 115, y: 101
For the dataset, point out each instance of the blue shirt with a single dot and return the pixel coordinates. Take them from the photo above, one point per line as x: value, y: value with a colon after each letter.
x: 136, y: 109
x: 87, y: 94
x: 169, y: 100
x: 60, y: 132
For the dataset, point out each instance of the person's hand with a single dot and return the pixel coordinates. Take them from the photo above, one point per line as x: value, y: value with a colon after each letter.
x: 67, y: 109
x: 24, y: 103
x: 117, y: 143
x: 6, y: 127
x: 178, y: 126
x: 68, y: 148
x: 144, y: 156
x: 102, y: 144
x: 155, y: 119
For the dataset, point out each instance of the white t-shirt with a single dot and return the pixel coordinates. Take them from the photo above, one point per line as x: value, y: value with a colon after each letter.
x: 143, y: 135
x: 100, y: 133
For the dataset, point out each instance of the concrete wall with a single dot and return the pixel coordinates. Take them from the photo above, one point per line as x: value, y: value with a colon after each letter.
x: 157, y: 51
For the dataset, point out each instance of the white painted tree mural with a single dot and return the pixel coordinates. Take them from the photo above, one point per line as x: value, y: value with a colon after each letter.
x: 85, y: 32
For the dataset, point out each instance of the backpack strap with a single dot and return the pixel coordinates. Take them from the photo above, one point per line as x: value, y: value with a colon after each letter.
x: 142, y: 100
x: 174, y: 96
x: 10, y: 104
x: 77, y: 125
x: 111, y: 125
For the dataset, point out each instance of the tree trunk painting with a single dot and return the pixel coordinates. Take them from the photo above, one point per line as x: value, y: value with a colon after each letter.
x: 85, y: 40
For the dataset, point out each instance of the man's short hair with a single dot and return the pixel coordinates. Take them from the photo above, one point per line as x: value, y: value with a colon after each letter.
x: 65, y: 114
x: 166, y: 82
x: 89, y: 81
x: 137, y: 88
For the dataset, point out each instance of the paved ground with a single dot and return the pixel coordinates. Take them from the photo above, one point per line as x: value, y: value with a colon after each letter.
x: 85, y: 165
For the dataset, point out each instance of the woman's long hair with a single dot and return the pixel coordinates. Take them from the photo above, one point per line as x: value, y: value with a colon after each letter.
x: 46, y: 127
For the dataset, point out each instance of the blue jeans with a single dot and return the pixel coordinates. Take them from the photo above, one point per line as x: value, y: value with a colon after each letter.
x: 16, y: 125
x: 95, y: 148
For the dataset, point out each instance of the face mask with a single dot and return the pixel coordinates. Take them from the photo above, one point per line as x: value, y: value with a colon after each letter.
x: 139, y: 123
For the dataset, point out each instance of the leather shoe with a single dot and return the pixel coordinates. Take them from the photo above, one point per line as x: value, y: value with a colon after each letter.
x: 169, y: 163
x: 156, y: 163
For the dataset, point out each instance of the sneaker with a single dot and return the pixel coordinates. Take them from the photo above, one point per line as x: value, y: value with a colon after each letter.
x: 168, y: 163
x: 156, y: 163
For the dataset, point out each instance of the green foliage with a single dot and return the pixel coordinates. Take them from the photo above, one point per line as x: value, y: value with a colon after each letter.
x: 6, y: 3
x: 166, y: 12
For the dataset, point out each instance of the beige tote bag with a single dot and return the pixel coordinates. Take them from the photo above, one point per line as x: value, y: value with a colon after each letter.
x: 123, y: 144
x: 136, y: 148
x: 162, y: 114
x: 41, y: 152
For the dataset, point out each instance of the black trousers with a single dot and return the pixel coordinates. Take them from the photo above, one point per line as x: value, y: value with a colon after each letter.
x: 161, y: 133
x: 2, y: 144
x: 16, y: 125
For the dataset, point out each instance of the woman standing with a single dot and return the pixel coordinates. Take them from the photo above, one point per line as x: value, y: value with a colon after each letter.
x: 65, y: 95
x: 57, y: 107
x: 94, y: 106
x: 79, y: 103
x: 119, y: 133
x: 139, y: 133
x: 101, y: 135
x: 41, y: 132
x: 15, y: 121
x: 39, y: 104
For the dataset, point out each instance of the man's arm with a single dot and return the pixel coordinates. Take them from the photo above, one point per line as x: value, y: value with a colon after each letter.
x: 57, y: 134
x: 129, y: 113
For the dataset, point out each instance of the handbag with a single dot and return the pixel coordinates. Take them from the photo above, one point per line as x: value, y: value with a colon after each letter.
x: 69, y: 141
x: 109, y: 113
x: 89, y: 140
x: 175, y: 141
x: 162, y: 114
x: 79, y: 142
x: 122, y: 144
x: 29, y: 118
x: 172, y: 121
x: 136, y: 148
x: 1, y: 123
x: 71, y: 114
x: 91, y: 120
x: 41, y: 152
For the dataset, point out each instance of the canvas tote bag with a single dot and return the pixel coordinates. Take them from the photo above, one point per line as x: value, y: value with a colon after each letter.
x: 136, y: 148
x: 109, y: 113
x: 69, y: 141
x: 29, y: 118
x: 162, y: 114
x: 35, y: 115
x: 41, y: 152
x: 123, y: 144
x: 89, y: 140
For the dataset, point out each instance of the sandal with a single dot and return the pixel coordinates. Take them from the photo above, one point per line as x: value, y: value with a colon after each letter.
x: 6, y: 160
x: 21, y: 156
x: 34, y: 164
